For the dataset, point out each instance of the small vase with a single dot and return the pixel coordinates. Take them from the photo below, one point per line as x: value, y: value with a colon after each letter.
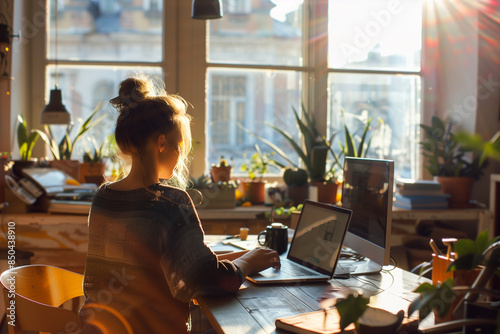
x: 92, y: 172
x: 221, y: 173
x: 255, y: 191
x: 327, y: 192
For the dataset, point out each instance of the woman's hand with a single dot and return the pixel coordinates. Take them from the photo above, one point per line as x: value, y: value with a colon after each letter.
x: 257, y: 260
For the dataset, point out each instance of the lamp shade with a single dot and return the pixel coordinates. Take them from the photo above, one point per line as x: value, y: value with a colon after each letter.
x: 206, y: 9
x: 55, y: 112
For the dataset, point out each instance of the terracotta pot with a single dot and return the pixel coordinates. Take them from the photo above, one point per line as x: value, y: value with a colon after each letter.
x: 298, y: 194
x: 222, y: 173
x: 93, y: 171
x: 19, y: 165
x: 459, y: 189
x: 254, y: 191
x: 327, y: 192
x: 70, y: 167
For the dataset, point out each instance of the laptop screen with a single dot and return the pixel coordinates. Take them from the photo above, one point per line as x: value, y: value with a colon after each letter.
x: 319, y: 236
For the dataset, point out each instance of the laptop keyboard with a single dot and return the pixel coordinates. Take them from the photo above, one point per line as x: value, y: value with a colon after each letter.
x: 293, y: 270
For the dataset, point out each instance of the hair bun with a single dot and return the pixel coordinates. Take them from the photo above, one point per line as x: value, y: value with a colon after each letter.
x: 132, y: 91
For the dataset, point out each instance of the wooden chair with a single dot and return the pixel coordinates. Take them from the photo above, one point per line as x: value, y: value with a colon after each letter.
x: 39, y: 292
x: 103, y: 319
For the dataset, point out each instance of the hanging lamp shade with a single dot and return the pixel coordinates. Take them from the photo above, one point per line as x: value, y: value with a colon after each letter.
x: 55, y: 112
x: 206, y: 9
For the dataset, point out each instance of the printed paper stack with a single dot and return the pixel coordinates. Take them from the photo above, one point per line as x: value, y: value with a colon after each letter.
x: 419, y: 194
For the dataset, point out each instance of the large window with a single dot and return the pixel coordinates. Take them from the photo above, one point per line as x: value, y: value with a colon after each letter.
x: 357, y: 58
x: 100, y: 43
x: 372, y: 71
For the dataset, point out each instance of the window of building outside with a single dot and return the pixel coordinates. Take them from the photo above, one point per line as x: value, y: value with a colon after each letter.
x: 258, y: 62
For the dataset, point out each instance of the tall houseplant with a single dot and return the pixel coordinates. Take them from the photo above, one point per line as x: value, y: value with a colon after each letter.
x: 447, y: 163
x: 26, y: 141
x: 62, y: 150
x: 313, y: 151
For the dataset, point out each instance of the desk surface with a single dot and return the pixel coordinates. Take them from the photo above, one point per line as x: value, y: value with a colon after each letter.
x: 255, y: 308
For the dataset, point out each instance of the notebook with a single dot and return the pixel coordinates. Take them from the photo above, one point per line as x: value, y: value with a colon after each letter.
x: 315, y: 247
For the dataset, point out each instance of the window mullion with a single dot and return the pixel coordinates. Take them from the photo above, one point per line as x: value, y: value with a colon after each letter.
x: 317, y: 57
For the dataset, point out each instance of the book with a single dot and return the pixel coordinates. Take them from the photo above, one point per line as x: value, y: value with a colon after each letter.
x: 416, y: 200
x: 411, y: 184
x: 417, y: 192
x: 425, y: 206
x: 314, y: 323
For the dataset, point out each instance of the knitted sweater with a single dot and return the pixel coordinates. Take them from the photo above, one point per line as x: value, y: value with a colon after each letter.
x: 147, y: 258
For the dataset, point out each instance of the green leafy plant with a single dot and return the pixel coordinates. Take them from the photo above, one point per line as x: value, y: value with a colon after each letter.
x: 63, y: 150
x: 349, y: 148
x: 470, y: 253
x: 315, y: 149
x: 350, y: 309
x: 99, y: 152
x: 26, y: 140
x: 475, y: 142
x: 445, y: 154
x: 259, y: 164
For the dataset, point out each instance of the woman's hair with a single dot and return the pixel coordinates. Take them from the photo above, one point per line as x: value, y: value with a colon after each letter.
x: 146, y: 111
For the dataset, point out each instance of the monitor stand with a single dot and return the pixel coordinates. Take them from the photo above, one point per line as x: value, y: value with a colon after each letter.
x: 361, y: 267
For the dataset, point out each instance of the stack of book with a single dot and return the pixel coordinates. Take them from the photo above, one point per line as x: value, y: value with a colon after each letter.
x: 419, y: 194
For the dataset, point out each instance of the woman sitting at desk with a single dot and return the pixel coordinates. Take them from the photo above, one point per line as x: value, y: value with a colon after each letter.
x: 147, y: 257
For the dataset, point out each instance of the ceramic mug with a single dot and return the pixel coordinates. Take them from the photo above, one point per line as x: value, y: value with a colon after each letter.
x: 276, y: 237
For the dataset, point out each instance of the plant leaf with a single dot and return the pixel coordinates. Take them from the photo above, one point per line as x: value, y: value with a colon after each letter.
x: 350, y: 309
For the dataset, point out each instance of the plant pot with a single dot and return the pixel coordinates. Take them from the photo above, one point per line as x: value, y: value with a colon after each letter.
x: 221, y: 173
x: 70, y: 167
x: 327, y: 192
x: 92, y: 172
x: 19, y: 165
x: 459, y: 189
x: 254, y: 191
x: 298, y: 194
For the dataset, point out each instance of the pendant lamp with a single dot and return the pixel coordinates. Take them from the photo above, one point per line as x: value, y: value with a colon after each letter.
x: 206, y: 9
x: 55, y: 112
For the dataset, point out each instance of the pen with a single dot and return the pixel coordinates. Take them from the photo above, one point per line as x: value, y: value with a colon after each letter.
x: 434, y: 247
x: 233, y: 236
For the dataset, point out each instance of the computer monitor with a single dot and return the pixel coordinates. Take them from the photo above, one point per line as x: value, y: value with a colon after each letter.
x: 367, y: 191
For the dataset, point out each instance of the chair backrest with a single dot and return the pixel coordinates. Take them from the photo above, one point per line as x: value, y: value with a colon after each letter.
x: 103, y: 319
x: 32, y: 296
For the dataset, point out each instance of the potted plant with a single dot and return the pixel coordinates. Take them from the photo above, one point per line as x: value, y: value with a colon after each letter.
x: 446, y: 162
x: 62, y: 150
x: 254, y: 190
x: 26, y: 141
x: 476, y: 261
x: 207, y: 194
x: 296, y: 180
x: 93, y: 167
x: 221, y: 171
x: 313, y: 154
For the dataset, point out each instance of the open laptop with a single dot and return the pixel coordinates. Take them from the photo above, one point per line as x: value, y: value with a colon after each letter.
x: 315, y: 247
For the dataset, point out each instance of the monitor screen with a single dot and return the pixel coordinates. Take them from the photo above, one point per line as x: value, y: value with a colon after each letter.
x: 367, y: 191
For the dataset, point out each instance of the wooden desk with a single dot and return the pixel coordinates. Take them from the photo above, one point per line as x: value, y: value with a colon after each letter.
x: 255, y: 308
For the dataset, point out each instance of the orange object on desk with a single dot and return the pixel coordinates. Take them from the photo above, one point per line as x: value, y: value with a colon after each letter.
x: 439, y: 265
